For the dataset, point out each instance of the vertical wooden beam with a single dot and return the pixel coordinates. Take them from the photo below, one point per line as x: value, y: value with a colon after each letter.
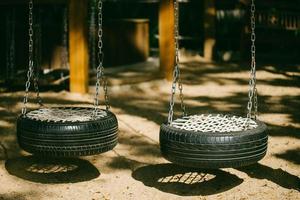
x: 209, y: 29
x: 166, y: 38
x: 79, y: 60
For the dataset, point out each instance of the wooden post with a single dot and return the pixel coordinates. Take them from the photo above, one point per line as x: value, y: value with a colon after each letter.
x: 166, y: 38
x: 79, y: 60
x: 209, y: 29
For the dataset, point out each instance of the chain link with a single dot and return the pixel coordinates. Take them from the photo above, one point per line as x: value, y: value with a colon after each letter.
x: 31, y: 68
x: 176, y: 30
x: 30, y: 57
x: 181, y: 96
x: 176, y: 71
x: 252, y: 105
x: 101, y: 79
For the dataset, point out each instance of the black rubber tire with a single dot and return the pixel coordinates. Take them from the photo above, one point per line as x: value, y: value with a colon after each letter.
x: 213, y: 150
x: 68, y: 139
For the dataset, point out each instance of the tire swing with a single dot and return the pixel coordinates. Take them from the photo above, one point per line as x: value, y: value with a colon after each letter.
x: 214, y: 140
x: 67, y: 131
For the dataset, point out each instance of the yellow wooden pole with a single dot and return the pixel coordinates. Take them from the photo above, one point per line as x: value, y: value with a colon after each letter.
x: 166, y: 38
x: 79, y: 60
x: 209, y: 29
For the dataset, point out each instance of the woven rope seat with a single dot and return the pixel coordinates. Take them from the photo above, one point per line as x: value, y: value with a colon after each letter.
x: 213, y: 141
x: 214, y: 123
x: 66, y: 114
x: 67, y: 131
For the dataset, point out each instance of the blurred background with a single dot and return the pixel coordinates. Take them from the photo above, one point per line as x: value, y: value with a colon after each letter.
x: 214, y: 30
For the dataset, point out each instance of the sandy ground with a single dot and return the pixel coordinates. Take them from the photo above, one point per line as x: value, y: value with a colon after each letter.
x: 135, y: 168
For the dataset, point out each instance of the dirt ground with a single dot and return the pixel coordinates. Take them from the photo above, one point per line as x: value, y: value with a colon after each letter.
x: 135, y: 169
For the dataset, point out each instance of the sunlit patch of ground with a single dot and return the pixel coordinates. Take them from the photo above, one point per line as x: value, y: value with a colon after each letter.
x: 135, y: 168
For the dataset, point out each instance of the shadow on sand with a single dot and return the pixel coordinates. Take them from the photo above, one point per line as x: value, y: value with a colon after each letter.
x: 50, y: 170
x: 186, y: 181
x: 277, y: 176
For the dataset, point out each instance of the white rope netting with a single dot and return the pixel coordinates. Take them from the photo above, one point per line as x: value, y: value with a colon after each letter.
x: 66, y: 114
x: 214, y: 123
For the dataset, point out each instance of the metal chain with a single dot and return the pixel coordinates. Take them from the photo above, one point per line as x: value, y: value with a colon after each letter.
x: 176, y: 31
x: 252, y: 103
x: 30, y: 51
x: 100, y: 69
x: 176, y: 71
x: 105, y: 89
x: 101, y: 55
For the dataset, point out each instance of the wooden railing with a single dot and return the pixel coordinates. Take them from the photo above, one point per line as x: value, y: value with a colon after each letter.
x: 278, y: 20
